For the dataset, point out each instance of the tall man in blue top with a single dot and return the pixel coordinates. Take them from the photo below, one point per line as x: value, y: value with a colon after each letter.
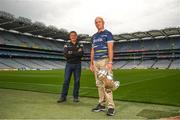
x: 102, y: 57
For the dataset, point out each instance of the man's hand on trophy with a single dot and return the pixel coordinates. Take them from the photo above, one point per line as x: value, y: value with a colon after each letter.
x: 109, y: 66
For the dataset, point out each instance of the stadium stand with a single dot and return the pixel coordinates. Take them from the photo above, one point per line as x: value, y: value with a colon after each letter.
x: 175, y: 64
x: 119, y: 64
x: 132, y: 64
x: 146, y: 64
x: 162, y: 64
x: 25, y: 45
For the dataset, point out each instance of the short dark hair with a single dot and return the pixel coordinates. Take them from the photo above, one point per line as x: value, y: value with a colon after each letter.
x: 72, y: 32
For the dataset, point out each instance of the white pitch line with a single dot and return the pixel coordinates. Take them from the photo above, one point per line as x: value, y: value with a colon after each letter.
x: 130, y: 83
x: 126, y: 84
x: 43, y: 84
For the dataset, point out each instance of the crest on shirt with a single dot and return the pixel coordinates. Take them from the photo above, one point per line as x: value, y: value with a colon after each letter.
x: 97, y: 40
x: 103, y: 35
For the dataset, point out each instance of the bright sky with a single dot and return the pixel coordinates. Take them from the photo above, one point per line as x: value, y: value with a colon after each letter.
x: 121, y: 16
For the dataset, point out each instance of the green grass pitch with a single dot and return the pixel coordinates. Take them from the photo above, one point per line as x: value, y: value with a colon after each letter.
x: 19, y: 104
x: 148, y: 86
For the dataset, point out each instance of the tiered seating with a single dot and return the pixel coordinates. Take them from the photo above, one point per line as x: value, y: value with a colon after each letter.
x: 85, y: 65
x: 163, y: 44
x: 27, y: 42
x: 161, y: 64
x: 129, y: 53
x: 119, y: 64
x: 4, y: 66
x: 175, y: 64
x: 13, y: 39
x: 55, y: 64
x: 122, y: 47
x: 9, y: 39
x: 12, y: 63
x: 132, y: 64
x: 17, y: 63
x: 145, y: 64
x: 157, y: 44
x: 149, y: 45
x: 87, y: 47
x: 176, y: 43
x: 135, y: 45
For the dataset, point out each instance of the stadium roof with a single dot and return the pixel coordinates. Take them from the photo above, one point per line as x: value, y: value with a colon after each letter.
x: 25, y: 25
x: 153, y: 34
x: 168, y: 32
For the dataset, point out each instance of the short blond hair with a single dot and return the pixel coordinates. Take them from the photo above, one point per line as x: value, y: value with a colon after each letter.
x: 99, y: 18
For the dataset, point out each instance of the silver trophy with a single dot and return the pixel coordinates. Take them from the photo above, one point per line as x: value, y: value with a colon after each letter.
x: 107, y: 78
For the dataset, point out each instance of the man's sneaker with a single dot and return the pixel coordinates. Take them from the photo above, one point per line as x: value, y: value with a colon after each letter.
x: 99, y: 108
x: 110, y: 111
x: 61, y: 100
x: 76, y: 100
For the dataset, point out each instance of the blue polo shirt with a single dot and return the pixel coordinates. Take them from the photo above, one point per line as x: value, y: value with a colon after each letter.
x: 99, y: 43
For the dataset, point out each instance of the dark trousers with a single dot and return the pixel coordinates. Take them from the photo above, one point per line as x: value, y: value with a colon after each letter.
x: 76, y: 70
